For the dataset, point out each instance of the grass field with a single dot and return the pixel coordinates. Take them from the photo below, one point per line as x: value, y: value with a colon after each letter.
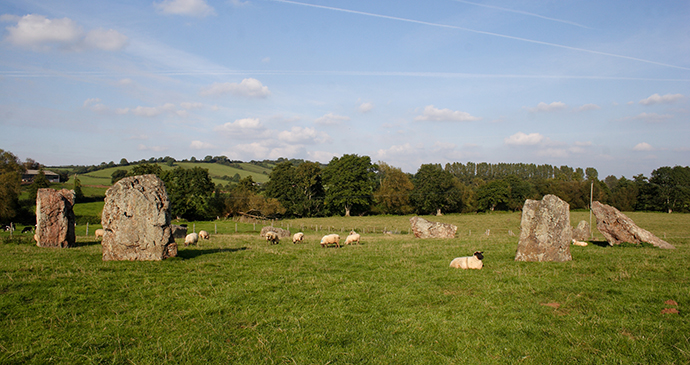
x: 391, y: 300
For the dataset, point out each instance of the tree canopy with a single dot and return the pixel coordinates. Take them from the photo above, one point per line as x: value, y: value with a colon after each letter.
x: 349, y: 183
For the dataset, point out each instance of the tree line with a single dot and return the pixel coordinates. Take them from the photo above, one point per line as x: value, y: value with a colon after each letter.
x: 354, y: 185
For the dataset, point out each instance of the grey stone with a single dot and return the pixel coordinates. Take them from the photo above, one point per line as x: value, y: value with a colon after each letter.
x: 545, y: 230
x: 617, y: 227
x: 136, y: 220
x: 282, y: 233
x: 423, y: 228
x: 55, y: 218
x: 178, y: 231
x: 582, y: 232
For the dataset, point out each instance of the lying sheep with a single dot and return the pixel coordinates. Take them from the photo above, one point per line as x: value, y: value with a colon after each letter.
x: 99, y: 233
x: 353, y: 237
x: 203, y: 234
x: 468, y: 262
x: 28, y: 229
x: 579, y: 243
x: 331, y: 239
x: 191, y: 239
x: 298, y: 237
x: 272, y: 237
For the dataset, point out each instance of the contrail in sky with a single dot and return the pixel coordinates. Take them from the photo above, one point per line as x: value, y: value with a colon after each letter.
x: 482, y: 32
x: 524, y: 13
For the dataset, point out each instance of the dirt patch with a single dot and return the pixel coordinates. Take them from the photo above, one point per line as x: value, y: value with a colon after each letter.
x: 670, y: 302
x: 669, y: 311
x: 552, y: 305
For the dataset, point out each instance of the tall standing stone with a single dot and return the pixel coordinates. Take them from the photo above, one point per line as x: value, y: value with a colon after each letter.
x: 617, y: 227
x: 582, y: 232
x: 55, y: 218
x: 136, y: 220
x: 423, y: 228
x: 546, y: 231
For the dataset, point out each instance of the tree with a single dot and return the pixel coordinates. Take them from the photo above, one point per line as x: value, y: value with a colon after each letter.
x: 40, y: 182
x: 124, y: 162
x: 349, y: 184
x: 393, y: 194
x: 672, y: 186
x: 117, y: 175
x: 78, y: 193
x: 493, y: 194
x: 10, y: 185
x: 432, y: 190
x: 310, y: 193
x: 145, y: 169
x: 189, y: 192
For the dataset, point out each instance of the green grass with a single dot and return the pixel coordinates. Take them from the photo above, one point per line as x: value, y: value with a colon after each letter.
x: 393, y: 299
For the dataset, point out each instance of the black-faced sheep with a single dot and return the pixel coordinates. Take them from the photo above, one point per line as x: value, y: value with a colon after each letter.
x: 297, y: 237
x: 330, y: 239
x: 469, y: 262
x: 191, y: 239
x: 353, y: 237
x: 272, y: 238
x: 204, y: 235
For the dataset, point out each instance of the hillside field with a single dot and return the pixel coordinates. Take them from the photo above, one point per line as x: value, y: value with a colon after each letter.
x: 392, y: 299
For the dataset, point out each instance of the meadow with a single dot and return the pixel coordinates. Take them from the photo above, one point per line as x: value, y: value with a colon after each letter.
x: 391, y: 300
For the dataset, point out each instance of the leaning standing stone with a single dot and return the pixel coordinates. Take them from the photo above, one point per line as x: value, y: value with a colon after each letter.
x: 582, y: 232
x: 423, y: 228
x: 55, y: 218
x: 617, y: 228
x: 546, y: 231
x: 136, y: 220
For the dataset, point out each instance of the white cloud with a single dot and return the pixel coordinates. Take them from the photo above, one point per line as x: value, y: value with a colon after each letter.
x: 241, y: 126
x: 321, y: 156
x: 543, y: 107
x: 198, y: 145
x: 144, y: 111
x: 522, y: 139
x: 643, y: 146
x: 91, y: 101
x: 649, y: 117
x: 587, y: 107
x: 365, y: 107
x: 303, y: 135
x: 330, y: 119
x: 251, y: 88
x: 143, y: 147
x: 9, y: 18
x: 434, y: 114
x: 198, y: 8
x: 658, y: 99
x: 40, y: 33
x: 107, y: 40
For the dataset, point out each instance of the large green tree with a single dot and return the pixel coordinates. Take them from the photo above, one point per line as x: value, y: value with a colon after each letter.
x: 189, y: 191
x: 493, y: 194
x: 435, y: 191
x: 393, y: 194
x: 40, y: 182
x: 10, y: 184
x: 349, y: 182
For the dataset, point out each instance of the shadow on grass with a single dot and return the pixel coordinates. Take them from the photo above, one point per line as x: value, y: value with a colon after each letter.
x: 86, y: 243
x: 190, y: 254
x: 601, y: 243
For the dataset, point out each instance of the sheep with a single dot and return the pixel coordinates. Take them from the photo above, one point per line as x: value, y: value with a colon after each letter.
x: 579, y: 243
x: 99, y: 233
x: 204, y: 235
x: 28, y: 229
x: 468, y: 262
x: 331, y: 239
x: 352, y: 238
x: 272, y: 237
x: 298, y: 237
x: 191, y: 239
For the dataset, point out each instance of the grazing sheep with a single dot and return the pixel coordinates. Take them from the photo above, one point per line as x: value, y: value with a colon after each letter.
x: 203, y: 234
x: 468, y: 262
x: 353, y: 237
x: 579, y: 243
x: 99, y: 233
x: 272, y: 237
x: 28, y: 229
x: 298, y: 237
x: 331, y: 239
x: 191, y: 239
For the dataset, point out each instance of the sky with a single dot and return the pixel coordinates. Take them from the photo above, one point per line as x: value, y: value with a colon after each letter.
x: 603, y: 84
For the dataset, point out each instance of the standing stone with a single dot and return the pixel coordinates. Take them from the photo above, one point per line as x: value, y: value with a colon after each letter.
x: 617, y: 227
x: 423, y: 228
x: 282, y: 233
x: 55, y: 218
x: 582, y: 232
x: 136, y: 220
x: 546, y: 231
x: 178, y: 231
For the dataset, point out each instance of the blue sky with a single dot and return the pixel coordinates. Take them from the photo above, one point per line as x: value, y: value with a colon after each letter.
x: 603, y: 84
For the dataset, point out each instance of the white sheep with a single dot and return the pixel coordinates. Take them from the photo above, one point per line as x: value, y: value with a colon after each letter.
x: 272, y: 237
x: 99, y: 233
x: 330, y: 239
x: 468, y: 262
x: 203, y: 234
x: 297, y: 237
x: 191, y: 239
x: 579, y: 243
x: 353, y: 237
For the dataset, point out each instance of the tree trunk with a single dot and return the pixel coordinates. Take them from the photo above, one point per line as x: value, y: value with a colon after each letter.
x: 347, y: 211
x: 438, y: 212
